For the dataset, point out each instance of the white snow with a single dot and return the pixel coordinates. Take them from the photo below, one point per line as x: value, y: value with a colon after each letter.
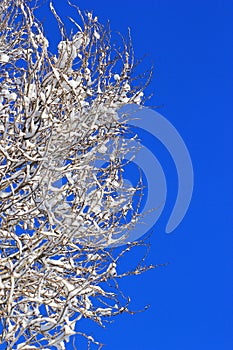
x: 102, y: 149
x: 4, y: 58
x: 116, y: 77
x: 104, y: 312
x: 97, y: 35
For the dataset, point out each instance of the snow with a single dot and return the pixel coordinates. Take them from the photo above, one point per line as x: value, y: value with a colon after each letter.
x: 116, y: 77
x: 25, y: 346
x: 112, y: 269
x: 104, y: 312
x: 32, y: 91
x: 78, y: 40
x: 102, y: 149
x: 68, y: 330
x: 12, y: 96
x: 4, y: 58
x: 127, y: 87
x: 56, y: 73
x: 75, y: 83
x: 138, y: 97
x: 97, y: 35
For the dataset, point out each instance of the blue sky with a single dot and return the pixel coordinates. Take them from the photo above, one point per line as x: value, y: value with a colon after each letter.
x: 190, y: 45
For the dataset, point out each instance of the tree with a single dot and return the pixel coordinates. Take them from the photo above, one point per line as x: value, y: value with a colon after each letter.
x: 64, y: 206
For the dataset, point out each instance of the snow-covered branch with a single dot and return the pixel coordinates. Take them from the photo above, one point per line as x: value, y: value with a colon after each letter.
x: 63, y: 202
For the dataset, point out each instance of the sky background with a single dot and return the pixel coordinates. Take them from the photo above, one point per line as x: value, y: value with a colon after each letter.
x: 190, y: 45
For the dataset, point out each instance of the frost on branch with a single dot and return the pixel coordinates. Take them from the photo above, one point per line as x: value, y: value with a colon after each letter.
x: 64, y: 203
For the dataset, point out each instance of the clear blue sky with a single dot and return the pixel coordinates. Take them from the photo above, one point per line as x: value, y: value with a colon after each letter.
x: 190, y: 44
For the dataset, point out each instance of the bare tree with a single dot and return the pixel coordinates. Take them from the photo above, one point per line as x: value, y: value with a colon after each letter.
x: 63, y: 203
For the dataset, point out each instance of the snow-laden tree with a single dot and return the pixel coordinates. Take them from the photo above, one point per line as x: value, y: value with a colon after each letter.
x: 63, y: 202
